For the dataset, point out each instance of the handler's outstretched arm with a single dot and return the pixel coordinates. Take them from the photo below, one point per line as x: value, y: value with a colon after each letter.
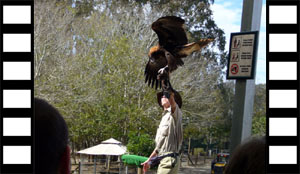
x: 172, y: 102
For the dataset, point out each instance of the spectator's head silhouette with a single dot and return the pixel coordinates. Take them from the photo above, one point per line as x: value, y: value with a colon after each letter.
x: 248, y: 158
x: 52, y: 153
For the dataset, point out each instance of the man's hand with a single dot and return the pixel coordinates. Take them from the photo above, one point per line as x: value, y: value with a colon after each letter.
x: 146, y: 165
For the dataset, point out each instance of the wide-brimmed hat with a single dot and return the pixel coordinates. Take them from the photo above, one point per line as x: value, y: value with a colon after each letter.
x: 177, y: 98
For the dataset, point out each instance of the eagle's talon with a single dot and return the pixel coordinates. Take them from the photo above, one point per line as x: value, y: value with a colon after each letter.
x: 163, y: 70
x: 163, y: 73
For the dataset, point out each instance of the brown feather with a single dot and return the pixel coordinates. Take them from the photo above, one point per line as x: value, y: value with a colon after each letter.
x: 153, y: 49
x: 173, y: 45
x: 188, y: 49
x: 152, y: 68
x: 170, y: 32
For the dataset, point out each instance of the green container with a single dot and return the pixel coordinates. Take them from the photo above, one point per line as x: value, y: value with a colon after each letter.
x: 133, y: 160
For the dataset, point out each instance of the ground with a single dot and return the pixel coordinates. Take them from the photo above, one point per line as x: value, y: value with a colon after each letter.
x: 201, y: 167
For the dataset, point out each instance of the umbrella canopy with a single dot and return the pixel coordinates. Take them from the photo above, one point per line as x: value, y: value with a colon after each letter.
x: 107, y: 147
x: 111, y: 141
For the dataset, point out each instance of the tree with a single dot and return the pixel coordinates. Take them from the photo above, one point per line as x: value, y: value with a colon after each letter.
x: 142, y: 145
x: 259, y: 114
x: 89, y: 63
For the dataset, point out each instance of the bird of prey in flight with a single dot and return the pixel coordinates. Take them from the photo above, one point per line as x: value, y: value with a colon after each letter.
x: 172, y: 46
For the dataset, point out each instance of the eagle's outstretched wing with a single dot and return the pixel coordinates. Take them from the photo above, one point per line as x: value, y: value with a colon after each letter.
x: 151, y: 74
x: 170, y: 32
x: 188, y: 49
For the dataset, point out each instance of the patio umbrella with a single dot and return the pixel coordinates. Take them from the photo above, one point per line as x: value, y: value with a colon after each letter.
x: 110, y: 147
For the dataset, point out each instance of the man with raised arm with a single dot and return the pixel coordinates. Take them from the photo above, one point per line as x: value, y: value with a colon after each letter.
x: 168, y: 138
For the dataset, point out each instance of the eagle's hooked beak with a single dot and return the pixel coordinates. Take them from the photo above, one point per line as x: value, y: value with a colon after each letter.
x: 152, y: 60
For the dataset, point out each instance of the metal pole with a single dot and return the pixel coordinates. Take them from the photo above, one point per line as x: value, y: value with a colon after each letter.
x: 108, y: 163
x: 95, y: 164
x: 245, y: 89
x: 121, y: 167
x: 80, y: 164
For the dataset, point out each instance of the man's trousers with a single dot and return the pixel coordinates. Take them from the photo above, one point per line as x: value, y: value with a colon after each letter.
x: 169, y: 165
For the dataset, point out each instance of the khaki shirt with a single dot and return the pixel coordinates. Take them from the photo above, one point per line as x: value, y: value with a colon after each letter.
x: 169, y: 134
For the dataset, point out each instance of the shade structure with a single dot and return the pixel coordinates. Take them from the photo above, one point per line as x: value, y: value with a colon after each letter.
x: 107, y: 147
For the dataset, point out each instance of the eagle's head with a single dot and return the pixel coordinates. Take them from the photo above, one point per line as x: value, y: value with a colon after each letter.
x: 157, y: 56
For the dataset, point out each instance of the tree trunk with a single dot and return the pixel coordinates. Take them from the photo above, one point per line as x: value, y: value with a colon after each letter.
x: 189, y: 150
x: 73, y: 153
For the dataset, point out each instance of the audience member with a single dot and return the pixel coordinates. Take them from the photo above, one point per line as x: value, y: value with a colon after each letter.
x: 248, y: 158
x: 52, y: 153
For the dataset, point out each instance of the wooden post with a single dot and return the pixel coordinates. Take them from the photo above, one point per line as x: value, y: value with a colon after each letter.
x: 140, y: 171
x: 120, y: 167
x: 79, y: 167
x: 108, y: 163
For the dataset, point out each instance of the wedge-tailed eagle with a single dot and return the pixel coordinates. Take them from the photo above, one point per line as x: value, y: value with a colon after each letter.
x: 173, y: 45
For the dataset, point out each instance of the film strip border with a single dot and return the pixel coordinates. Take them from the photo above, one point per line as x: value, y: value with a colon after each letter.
x: 17, y: 86
x: 283, y: 54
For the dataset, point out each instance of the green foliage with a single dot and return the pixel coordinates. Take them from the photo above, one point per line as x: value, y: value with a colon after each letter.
x: 197, y: 14
x: 259, y: 114
x: 259, y: 125
x: 89, y: 63
x: 142, y: 145
x: 199, y: 150
x: 93, y: 74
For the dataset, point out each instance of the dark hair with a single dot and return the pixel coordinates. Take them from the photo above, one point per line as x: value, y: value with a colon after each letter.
x: 51, y: 137
x: 248, y: 158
